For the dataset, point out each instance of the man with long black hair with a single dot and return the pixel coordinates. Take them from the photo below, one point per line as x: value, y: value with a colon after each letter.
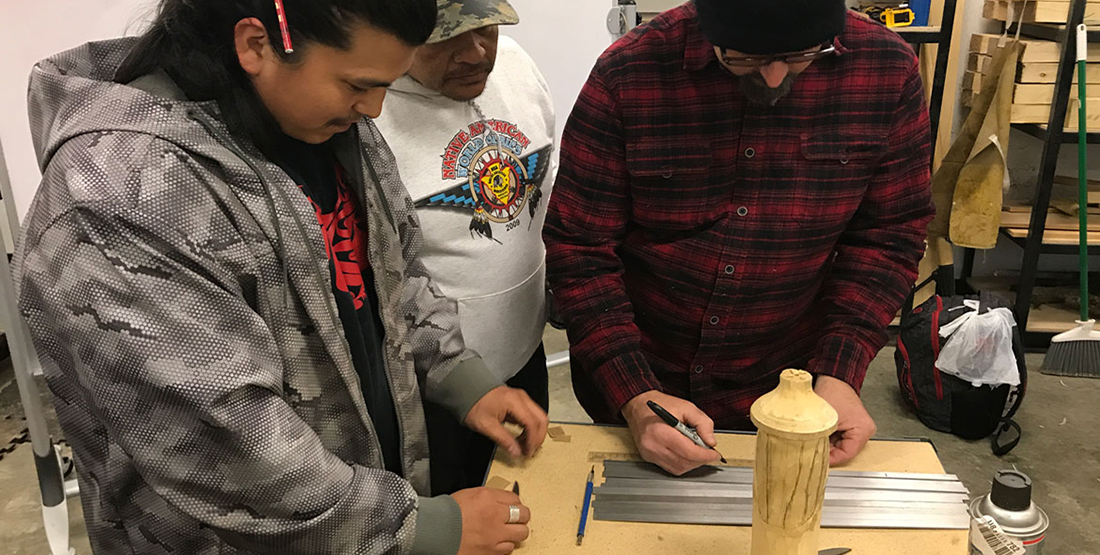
x: 221, y: 273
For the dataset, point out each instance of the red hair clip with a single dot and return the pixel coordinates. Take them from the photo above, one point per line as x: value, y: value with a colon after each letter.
x: 284, y: 28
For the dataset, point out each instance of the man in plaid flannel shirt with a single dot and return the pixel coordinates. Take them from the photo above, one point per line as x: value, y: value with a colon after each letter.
x: 744, y: 188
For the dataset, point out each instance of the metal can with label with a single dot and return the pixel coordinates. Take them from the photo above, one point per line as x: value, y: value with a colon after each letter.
x: 1009, y: 504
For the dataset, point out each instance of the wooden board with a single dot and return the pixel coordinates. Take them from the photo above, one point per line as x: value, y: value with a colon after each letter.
x: 1047, y: 73
x: 1013, y: 208
x: 928, y: 56
x: 1031, y: 93
x: 1040, y: 113
x: 1055, y: 221
x: 1041, y: 11
x: 552, y: 485
x: 1041, y: 319
x: 1071, y: 181
x: 1053, y: 237
x: 1035, y: 50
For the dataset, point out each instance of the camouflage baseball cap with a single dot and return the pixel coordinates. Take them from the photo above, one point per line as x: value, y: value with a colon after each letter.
x: 460, y: 16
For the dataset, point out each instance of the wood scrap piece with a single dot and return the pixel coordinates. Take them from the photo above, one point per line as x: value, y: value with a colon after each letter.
x: 557, y: 433
x: 496, y: 482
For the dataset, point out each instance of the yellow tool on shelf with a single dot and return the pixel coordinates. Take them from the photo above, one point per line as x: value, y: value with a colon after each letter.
x: 894, y: 16
x: 897, y: 17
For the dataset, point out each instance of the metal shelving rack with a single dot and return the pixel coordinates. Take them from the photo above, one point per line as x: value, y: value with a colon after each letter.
x: 1033, y: 245
x: 940, y: 35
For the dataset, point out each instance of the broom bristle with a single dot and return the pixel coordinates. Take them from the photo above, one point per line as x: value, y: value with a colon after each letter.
x: 1076, y: 359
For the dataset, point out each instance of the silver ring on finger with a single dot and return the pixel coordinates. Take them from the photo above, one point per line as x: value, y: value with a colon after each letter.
x: 513, y: 514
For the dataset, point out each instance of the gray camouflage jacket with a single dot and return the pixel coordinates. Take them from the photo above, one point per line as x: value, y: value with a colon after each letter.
x: 177, y: 287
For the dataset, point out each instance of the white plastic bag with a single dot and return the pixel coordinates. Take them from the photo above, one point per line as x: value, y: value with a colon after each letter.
x: 979, y: 348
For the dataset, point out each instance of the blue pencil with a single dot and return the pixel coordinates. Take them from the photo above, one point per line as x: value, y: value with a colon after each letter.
x: 587, y: 503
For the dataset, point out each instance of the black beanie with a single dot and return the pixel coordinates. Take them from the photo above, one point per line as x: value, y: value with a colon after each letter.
x: 770, y: 26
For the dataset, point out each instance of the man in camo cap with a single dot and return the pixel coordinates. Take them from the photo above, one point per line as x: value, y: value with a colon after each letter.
x: 459, y: 16
x: 472, y: 126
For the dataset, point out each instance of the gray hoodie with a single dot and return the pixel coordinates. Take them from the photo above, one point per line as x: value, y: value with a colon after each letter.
x: 177, y: 287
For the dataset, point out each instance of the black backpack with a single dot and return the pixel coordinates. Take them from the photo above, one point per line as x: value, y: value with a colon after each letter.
x: 942, y: 401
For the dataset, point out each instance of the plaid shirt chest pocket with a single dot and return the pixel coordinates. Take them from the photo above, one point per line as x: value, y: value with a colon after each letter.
x: 670, y: 187
x: 836, y: 169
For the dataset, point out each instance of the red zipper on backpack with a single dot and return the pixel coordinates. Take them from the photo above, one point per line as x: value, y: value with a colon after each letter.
x: 936, y: 347
x: 911, y: 392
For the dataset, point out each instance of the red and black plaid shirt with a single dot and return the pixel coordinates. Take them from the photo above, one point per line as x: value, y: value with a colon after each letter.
x: 699, y: 245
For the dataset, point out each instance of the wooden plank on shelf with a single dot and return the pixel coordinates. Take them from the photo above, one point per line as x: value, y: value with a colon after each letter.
x: 1040, y: 11
x: 1035, y: 93
x: 1055, y: 237
x: 1035, y: 50
x: 1041, y: 319
x: 1016, y: 208
x: 1040, y: 113
x: 1071, y: 181
x: 1047, y: 73
x: 1056, y: 221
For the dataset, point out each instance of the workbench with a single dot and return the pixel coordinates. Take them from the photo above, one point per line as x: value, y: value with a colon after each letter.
x: 552, y: 484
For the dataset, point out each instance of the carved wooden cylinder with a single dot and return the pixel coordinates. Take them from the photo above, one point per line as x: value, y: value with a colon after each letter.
x: 792, y: 464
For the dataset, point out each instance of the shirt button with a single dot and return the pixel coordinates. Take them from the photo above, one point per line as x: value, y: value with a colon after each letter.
x: 698, y: 369
x: 667, y: 172
x: 743, y: 211
x: 714, y: 320
x: 730, y: 269
x: 750, y: 152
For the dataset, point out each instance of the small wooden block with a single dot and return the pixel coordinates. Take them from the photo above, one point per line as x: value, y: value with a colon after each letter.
x: 979, y: 63
x: 496, y: 482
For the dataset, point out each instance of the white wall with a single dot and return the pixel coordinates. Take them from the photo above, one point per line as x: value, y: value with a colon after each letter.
x: 34, y: 29
x: 564, y: 37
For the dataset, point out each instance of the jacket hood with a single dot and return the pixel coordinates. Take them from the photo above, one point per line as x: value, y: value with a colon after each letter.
x: 73, y: 93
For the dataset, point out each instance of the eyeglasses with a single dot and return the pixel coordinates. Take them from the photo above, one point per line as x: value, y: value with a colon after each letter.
x: 791, y: 58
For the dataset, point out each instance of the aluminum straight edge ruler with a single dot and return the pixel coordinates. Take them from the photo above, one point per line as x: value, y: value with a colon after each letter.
x: 633, y: 469
x: 839, y: 504
x: 848, y: 483
x: 745, y: 491
x: 658, y: 508
x: 694, y: 514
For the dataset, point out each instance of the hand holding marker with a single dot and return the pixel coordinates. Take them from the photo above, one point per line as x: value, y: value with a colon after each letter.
x: 680, y: 427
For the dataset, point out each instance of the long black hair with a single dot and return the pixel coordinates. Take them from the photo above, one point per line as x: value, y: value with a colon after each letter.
x: 193, y: 42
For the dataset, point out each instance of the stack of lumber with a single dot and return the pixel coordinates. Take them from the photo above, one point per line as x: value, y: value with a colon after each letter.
x: 1038, y: 66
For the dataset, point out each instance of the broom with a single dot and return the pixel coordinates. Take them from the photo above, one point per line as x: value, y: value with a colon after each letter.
x: 1077, y: 352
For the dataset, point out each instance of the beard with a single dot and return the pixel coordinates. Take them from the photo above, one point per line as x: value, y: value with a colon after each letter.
x: 757, y: 91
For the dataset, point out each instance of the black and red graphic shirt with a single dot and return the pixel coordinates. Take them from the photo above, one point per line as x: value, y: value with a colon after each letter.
x: 344, y: 228
x: 345, y: 240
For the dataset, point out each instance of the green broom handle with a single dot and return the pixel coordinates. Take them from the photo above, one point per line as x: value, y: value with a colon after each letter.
x: 1082, y: 165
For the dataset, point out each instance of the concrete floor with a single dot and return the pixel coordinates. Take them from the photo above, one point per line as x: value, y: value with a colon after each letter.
x: 1060, y: 451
